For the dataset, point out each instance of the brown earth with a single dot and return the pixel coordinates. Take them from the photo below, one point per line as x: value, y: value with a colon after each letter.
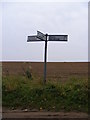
x: 42, y: 115
x: 55, y: 70
x: 46, y: 115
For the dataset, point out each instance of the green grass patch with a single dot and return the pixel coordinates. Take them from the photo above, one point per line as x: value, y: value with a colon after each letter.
x: 21, y: 92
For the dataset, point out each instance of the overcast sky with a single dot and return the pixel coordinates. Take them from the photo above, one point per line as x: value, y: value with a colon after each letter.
x: 22, y: 19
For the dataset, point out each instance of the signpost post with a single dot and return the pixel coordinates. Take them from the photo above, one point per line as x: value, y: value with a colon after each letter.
x: 45, y: 60
x: 43, y: 37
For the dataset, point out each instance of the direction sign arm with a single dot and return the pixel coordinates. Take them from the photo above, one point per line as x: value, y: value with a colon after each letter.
x: 41, y: 36
x: 34, y: 40
x: 58, y: 38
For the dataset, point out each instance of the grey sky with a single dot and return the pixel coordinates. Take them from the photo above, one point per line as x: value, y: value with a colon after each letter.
x: 23, y: 19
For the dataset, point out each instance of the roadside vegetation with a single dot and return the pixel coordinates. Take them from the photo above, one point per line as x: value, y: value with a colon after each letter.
x: 30, y: 93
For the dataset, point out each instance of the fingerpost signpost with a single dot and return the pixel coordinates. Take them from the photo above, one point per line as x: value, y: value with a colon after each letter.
x: 45, y: 37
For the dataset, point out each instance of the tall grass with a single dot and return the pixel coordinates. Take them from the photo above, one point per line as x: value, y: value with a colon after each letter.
x: 19, y: 91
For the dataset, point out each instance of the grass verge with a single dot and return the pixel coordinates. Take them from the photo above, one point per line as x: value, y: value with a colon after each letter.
x: 21, y: 92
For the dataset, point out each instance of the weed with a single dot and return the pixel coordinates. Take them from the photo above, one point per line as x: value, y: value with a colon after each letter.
x: 20, y: 92
x: 28, y: 74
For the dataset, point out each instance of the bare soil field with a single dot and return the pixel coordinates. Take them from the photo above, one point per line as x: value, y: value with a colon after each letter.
x: 56, y: 70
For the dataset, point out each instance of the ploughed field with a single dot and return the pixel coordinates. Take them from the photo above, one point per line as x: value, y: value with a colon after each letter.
x: 55, y: 70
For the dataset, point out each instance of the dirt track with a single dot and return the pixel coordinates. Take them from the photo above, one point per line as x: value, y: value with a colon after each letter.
x: 46, y: 115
